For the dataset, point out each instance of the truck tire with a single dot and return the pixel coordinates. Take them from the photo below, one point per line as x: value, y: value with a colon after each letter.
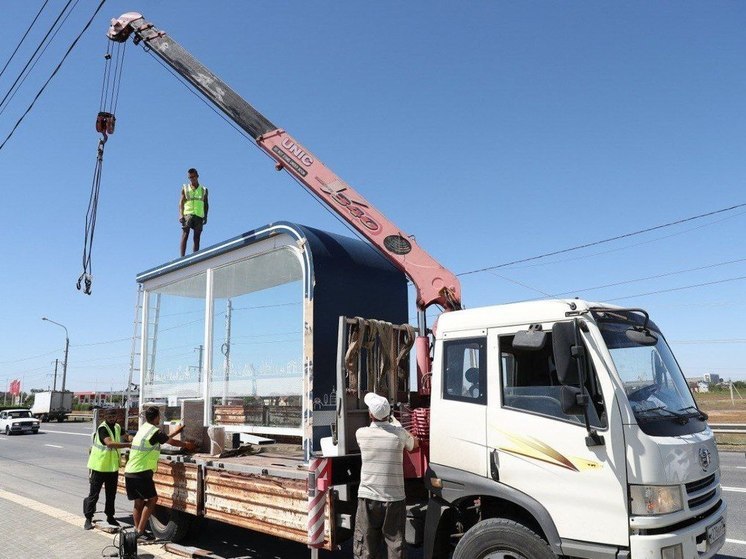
x: 170, y: 525
x: 500, y: 538
x: 7, y: 431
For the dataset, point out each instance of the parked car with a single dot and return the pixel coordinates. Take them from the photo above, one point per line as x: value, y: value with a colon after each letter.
x: 18, y: 421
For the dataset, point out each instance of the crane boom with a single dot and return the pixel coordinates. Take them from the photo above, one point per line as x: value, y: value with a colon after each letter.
x: 434, y: 283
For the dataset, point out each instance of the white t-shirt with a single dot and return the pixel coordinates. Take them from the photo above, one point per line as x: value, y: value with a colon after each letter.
x: 382, y: 447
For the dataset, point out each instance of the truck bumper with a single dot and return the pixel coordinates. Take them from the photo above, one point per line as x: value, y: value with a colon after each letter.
x: 650, y: 546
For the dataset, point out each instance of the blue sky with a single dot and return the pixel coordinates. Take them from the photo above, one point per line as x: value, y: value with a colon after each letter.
x: 493, y: 131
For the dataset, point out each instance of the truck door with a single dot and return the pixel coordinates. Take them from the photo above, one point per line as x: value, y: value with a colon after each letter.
x: 542, y: 451
x: 459, y: 415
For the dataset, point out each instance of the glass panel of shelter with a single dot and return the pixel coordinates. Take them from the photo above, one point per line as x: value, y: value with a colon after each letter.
x: 257, y: 344
x: 175, y: 341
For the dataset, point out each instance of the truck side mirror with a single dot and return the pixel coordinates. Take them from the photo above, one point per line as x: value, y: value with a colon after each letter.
x: 563, y: 342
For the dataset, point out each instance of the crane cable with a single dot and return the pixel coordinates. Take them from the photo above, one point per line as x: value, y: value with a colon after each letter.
x: 105, y: 123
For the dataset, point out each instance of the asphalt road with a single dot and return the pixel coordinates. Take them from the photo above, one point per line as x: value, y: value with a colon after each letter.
x: 50, y: 468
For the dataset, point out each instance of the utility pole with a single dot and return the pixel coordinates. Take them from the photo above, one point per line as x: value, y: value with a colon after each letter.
x: 201, y: 349
x: 67, y: 348
x: 226, y: 349
x: 54, y: 384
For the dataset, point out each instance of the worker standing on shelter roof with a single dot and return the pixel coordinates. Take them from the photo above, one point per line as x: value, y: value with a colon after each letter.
x: 143, y: 462
x: 381, y: 510
x: 103, y: 465
x: 193, y: 207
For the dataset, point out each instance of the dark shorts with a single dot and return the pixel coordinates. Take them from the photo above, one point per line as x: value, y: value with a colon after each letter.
x: 192, y: 222
x: 140, y: 485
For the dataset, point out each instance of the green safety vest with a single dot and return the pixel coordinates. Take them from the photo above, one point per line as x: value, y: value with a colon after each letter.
x: 195, y: 200
x: 143, y: 455
x: 103, y: 459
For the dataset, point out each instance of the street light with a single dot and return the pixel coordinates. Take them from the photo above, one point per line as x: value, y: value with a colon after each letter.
x: 67, y: 347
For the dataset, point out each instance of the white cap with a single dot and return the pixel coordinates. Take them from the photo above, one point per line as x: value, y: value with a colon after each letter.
x: 378, y: 406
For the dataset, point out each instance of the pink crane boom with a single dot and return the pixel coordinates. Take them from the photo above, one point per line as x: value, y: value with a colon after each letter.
x: 434, y: 283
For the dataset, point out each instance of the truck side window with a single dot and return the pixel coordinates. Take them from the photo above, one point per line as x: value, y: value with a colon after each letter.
x: 465, y: 370
x: 530, y: 383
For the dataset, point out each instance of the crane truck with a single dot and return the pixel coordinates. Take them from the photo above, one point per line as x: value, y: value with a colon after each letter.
x: 554, y: 428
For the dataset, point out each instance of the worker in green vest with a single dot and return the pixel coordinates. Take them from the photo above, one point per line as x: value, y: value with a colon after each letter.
x: 103, y: 467
x: 193, y: 207
x: 143, y: 462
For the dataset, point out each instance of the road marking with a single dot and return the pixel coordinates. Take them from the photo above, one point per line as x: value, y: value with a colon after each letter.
x: 735, y: 489
x: 740, y: 542
x: 53, y: 445
x: 67, y: 433
x: 68, y: 517
x: 740, y: 467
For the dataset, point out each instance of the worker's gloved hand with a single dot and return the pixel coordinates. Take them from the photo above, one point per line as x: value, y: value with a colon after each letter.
x: 204, y: 221
x: 189, y: 446
x: 394, y: 421
x: 182, y: 220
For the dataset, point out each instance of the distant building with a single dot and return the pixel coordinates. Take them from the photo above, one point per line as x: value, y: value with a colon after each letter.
x: 92, y: 397
x: 703, y: 386
x: 712, y: 378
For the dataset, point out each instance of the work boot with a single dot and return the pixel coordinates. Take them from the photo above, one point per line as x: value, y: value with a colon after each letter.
x: 110, y: 520
x: 88, y: 524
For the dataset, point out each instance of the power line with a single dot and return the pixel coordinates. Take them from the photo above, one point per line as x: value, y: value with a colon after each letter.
x: 657, y: 276
x: 29, y: 358
x: 23, y: 74
x: 24, y: 37
x: 128, y: 339
x: 603, y: 241
x: 678, y: 288
x: 633, y: 245
x: 54, y: 73
x: 38, y: 58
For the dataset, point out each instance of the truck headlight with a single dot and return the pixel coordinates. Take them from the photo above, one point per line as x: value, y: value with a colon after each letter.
x: 648, y: 500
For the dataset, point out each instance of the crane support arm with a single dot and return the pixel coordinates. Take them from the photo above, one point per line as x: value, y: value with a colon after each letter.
x: 434, y: 283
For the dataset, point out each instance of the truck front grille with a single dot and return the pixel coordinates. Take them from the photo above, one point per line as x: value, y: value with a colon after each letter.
x: 695, y: 486
x: 702, y: 491
x: 702, y: 499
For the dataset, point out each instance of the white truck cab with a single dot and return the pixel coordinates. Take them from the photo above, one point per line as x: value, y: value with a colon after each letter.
x: 567, y: 428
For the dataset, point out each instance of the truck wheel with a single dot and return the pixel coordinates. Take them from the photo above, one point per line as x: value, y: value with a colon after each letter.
x: 500, y: 538
x: 7, y: 431
x: 171, y: 525
x: 60, y: 419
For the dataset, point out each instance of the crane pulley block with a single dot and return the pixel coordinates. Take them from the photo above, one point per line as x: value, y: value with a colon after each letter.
x: 105, y: 123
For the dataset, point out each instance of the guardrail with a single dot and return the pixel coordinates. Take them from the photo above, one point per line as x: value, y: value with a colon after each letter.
x: 80, y: 416
x: 733, y: 428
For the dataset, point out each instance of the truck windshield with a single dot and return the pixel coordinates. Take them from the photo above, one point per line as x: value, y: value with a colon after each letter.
x: 654, y: 384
